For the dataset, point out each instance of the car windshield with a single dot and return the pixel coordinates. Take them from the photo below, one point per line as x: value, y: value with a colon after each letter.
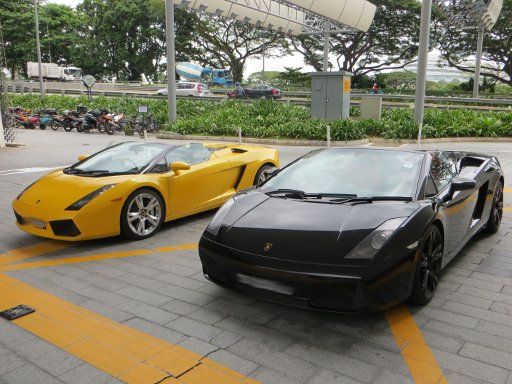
x: 355, y: 172
x: 125, y: 158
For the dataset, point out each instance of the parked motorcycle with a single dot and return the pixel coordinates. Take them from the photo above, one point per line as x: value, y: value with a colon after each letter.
x: 39, y: 119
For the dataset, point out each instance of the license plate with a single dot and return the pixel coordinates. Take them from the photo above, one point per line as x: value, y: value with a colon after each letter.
x: 267, y: 285
x: 36, y: 223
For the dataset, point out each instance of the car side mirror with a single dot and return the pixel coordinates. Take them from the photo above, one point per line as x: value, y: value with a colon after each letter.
x: 83, y: 157
x: 462, y: 184
x: 179, y: 166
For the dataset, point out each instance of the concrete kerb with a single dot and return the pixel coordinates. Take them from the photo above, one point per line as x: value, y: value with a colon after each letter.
x: 318, y: 143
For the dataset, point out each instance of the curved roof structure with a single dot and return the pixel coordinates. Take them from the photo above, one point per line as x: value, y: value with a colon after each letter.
x: 289, y: 16
x: 357, y: 14
x: 471, y: 13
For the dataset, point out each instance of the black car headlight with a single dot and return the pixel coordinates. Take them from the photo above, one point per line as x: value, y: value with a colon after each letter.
x: 217, y: 221
x: 368, y: 248
x: 77, y: 205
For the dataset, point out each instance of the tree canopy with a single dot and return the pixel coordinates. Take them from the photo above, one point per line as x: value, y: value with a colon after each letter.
x: 390, y: 43
x: 458, y: 47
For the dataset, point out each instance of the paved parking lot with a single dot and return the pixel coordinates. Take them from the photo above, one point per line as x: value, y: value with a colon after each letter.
x: 113, y: 310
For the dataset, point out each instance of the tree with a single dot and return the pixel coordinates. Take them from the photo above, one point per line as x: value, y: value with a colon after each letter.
x: 59, y: 25
x: 390, y: 43
x: 458, y: 47
x: 401, y: 80
x: 126, y: 38
x: 293, y: 77
x: 18, y: 25
x: 229, y: 43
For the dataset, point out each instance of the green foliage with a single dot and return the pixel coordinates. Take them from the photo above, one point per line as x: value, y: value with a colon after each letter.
x: 268, y: 119
x: 458, y: 47
x: 401, y: 80
x: 391, y: 40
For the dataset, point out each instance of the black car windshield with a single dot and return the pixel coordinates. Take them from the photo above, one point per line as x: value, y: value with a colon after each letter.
x: 356, y: 172
x: 120, y: 159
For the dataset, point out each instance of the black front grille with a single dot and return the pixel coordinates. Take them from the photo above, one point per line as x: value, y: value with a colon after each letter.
x: 19, y: 219
x: 65, y: 228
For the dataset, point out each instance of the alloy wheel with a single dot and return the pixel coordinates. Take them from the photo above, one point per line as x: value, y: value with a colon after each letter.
x: 144, y: 214
x: 498, y: 205
x: 430, y: 263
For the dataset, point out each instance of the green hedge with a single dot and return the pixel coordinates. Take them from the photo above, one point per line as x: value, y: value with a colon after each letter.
x: 268, y: 119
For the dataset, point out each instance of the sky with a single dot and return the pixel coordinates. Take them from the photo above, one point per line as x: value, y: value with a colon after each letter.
x: 253, y: 65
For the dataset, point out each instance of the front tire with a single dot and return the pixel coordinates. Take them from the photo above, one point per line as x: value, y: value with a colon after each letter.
x: 428, y: 268
x: 262, y: 174
x: 493, y: 225
x: 142, y: 214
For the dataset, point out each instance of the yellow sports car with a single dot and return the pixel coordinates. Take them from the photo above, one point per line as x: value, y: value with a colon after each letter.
x: 132, y: 188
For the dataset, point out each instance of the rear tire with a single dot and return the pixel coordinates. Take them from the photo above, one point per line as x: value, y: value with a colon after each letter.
x: 142, y: 214
x: 110, y: 129
x: 493, y: 225
x: 262, y: 174
x: 428, y: 267
x: 54, y: 126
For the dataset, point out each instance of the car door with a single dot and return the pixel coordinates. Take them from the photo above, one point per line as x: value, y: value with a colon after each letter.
x: 202, y: 186
x: 457, y: 207
x: 179, y: 89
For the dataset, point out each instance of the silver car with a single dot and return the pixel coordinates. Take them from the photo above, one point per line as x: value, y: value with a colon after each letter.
x: 190, y: 89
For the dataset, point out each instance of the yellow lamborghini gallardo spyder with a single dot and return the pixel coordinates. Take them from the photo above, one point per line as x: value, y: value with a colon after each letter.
x: 132, y: 188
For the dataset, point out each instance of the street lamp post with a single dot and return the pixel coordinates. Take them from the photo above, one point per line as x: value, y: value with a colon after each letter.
x: 171, y: 59
x: 421, y: 77
x: 38, y: 47
x: 327, y: 28
x: 478, y: 67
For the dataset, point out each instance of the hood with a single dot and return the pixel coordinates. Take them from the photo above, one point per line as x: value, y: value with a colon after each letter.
x: 305, y: 231
x: 57, y: 191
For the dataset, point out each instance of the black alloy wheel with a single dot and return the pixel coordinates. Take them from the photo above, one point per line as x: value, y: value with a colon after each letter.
x: 429, y: 265
x: 496, y: 215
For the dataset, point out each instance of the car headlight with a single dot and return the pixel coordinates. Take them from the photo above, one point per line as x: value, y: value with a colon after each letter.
x: 216, y: 223
x: 25, y: 190
x: 368, y: 248
x: 77, y: 205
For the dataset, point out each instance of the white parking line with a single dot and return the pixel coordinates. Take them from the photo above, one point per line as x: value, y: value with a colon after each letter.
x: 28, y: 170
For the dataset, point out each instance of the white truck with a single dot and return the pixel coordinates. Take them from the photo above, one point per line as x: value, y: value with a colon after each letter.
x: 52, y: 71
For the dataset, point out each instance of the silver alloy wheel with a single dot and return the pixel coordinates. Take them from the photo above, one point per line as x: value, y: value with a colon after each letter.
x: 263, y: 176
x: 144, y: 214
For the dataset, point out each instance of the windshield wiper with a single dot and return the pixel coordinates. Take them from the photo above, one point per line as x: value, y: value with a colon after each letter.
x: 371, y: 199
x: 293, y: 193
x: 298, y: 194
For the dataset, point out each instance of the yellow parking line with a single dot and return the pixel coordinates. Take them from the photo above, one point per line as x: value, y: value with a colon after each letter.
x: 123, y: 352
x: 31, y: 251
x: 417, y: 354
x: 99, y: 257
x: 507, y: 209
x: 507, y: 190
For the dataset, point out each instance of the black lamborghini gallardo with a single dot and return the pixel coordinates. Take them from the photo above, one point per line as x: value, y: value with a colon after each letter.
x: 347, y: 229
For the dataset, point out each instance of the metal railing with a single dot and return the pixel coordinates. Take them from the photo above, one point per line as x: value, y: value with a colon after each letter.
x: 296, y: 98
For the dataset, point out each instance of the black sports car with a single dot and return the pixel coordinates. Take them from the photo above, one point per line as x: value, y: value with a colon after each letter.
x: 347, y: 229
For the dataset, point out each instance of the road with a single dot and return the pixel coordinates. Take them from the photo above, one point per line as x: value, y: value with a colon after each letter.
x: 114, y: 310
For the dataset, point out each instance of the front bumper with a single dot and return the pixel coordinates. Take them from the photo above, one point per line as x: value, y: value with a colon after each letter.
x: 344, y: 289
x: 91, y: 222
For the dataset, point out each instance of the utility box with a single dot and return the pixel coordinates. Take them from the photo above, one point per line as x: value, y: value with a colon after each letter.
x: 371, y: 107
x: 330, y: 95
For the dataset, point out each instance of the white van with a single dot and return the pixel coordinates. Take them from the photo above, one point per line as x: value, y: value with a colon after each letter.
x: 188, y: 88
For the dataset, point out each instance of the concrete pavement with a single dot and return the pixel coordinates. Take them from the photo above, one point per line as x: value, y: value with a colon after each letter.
x: 161, y: 292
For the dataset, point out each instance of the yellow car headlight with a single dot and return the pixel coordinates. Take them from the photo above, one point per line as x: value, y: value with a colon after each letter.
x: 77, y: 205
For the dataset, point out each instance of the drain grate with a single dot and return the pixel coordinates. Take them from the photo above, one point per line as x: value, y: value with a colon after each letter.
x: 17, y: 312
